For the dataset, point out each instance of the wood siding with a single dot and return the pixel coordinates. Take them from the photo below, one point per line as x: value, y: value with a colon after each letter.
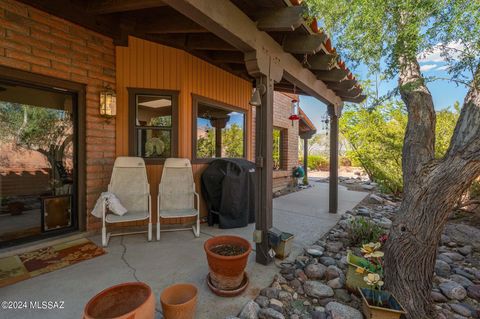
x: 145, y: 64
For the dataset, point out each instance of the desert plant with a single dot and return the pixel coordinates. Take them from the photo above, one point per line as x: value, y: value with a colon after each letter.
x: 363, y: 231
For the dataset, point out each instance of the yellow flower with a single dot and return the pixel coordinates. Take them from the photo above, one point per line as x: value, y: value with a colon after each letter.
x: 360, y: 270
x: 373, y: 279
x: 370, y: 247
x: 375, y: 254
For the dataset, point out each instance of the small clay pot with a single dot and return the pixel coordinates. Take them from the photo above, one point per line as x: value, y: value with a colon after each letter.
x: 179, y: 301
x: 132, y: 300
x: 227, y: 272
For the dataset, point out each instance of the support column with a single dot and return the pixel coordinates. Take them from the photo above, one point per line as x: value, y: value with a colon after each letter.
x: 305, y: 156
x: 264, y: 168
x: 333, y: 185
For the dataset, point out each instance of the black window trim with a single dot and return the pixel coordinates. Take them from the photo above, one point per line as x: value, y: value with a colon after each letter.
x: 132, y: 119
x: 198, y: 99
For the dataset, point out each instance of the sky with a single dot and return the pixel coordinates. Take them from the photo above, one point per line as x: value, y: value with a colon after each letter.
x: 432, y: 64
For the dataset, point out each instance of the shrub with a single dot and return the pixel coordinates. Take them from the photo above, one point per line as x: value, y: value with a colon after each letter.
x: 345, y: 161
x: 474, y: 191
x: 363, y: 231
x: 318, y: 162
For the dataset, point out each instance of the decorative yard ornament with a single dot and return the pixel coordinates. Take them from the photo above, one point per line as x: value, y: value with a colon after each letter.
x: 108, y: 103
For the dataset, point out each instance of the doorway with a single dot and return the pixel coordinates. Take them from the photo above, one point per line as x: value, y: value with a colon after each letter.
x: 39, y: 152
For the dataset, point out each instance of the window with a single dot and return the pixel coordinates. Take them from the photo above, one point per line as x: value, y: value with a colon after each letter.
x: 218, y: 130
x: 153, y: 116
x: 279, y: 147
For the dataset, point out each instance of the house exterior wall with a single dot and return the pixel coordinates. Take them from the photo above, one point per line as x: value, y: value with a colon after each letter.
x: 38, y: 42
x: 149, y: 65
x: 281, y: 111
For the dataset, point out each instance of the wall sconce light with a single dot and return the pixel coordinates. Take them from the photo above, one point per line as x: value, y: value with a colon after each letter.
x: 108, y: 103
x: 256, y: 99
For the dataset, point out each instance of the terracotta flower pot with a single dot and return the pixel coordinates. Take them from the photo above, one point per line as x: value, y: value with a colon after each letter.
x: 227, y: 272
x: 132, y: 300
x: 179, y: 301
x: 314, y: 25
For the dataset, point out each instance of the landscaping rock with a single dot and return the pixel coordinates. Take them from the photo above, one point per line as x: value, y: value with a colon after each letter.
x: 327, y: 261
x: 269, y: 313
x: 317, y: 289
x: 461, y: 309
x: 342, y: 295
x: 464, y: 234
x: 334, y: 246
x: 461, y: 280
x: 442, y: 268
x: 474, y: 292
x: 438, y: 297
x: 454, y: 256
x: 375, y: 199
x: 262, y: 301
x: 341, y: 311
x: 453, y: 290
x: 276, y: 305
x: 315, y: 271
x: 465, y: 250
x: 332, y: 272
x: 335, y: 283
x: 250, y: 310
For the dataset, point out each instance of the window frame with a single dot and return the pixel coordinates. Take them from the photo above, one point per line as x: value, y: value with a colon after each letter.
x: 282, y: 149
x: 198, y: 99
x: 132, y: 121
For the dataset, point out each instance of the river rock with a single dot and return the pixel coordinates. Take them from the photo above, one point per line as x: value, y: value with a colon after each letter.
x: 464, y: 234
x: 461, y: 309
x: 269, y: 292
x: 375, y: 199
x: 442, y: 268
x: 327, y: 261
x: 269, y: 313
x: 335, y: 283
x: 315, y: 271
x: 454, y: 256
x: 465, y: 282
x: 453, y: 290
x: 465, y: 250
x: 341, y: 311
x: 317, y: 289
x: 438, y: 297
x: 250, y: 310
x: 334, y: 246
x: 474, y: 292
x: 262, y: 301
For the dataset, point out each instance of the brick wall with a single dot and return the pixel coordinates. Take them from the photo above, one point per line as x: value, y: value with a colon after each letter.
x: 281, y: 111
x: 35, y: 41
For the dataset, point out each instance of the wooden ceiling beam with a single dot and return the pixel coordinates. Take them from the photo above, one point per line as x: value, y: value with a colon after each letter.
x: 232, y: 57
x: 334, y: 75
x: 350, y: 93
x: 357, y: 99
x: 303, y: 44
x: 207, y: 42
x: 281, y: 19
x: 175, y: 23
x: 98, y: 7
x: 321, y: 62
x: 342, y: 85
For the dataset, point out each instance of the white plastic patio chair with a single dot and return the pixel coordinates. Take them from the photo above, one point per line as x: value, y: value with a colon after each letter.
x: 176, y: 194
x: 130, y: 184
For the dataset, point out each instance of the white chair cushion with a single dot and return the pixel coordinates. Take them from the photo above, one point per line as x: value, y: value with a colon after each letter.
x: 173, y: 213
x: 128, y: 217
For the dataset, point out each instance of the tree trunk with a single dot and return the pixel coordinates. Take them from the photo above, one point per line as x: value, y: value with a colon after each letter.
x: 431, y: 190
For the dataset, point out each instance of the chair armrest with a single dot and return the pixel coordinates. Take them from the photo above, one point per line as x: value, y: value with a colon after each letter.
x: 198, y: 201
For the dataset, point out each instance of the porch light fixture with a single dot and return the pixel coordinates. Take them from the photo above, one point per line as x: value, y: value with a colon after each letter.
x: 256, y: 99
x: 108, y: 103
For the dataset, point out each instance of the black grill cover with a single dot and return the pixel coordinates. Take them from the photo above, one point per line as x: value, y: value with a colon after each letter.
x: 228, y: 187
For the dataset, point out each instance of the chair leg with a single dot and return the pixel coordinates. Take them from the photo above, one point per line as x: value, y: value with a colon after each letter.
x: 196, y: 230
x: 104, y: 237
x: 158, y: 230
x: 149, y: 231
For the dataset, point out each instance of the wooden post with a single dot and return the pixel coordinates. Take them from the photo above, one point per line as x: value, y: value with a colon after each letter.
x: 333, y: 185
x: 264, y: 170
x: 218, y: 141
x: 305, y: 156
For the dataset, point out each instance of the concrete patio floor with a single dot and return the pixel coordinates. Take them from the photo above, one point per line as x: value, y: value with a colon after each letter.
x: 177, y: 257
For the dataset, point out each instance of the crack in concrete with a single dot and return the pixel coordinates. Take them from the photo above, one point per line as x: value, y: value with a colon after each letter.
x: 132, y: 268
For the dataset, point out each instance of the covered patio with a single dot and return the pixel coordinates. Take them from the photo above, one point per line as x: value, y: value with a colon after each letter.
x: 179, y: 257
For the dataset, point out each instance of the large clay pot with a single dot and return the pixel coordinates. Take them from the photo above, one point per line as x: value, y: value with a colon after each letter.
x: 179, y: 301
x: 227, y: 272
x: 132, y: 300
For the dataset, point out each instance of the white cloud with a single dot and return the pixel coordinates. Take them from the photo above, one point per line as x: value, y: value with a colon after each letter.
x: 427, y: 67
x: 442, y: 68
x: 434, y: 54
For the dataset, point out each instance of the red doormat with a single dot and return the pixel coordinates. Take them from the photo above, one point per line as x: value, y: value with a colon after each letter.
x: 37, y: 262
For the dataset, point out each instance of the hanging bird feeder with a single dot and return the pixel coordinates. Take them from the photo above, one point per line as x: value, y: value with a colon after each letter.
x: 294, y: 116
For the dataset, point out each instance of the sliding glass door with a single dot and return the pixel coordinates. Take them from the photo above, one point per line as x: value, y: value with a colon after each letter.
x: 38, y: 173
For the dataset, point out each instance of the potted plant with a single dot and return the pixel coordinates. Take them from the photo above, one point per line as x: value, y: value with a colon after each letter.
x: 379, y: 304
x: 358, y: 266
x: 227, y: 258
x: 124, y: 301
x: 179, y: 301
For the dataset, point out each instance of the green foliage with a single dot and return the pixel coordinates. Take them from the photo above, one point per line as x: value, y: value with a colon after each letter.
x: 363, y: 231
x: 317, y: 163
x: 376, y: 139
x: 276, y: 148
x: 232, y: 142
x: 474, y: 191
